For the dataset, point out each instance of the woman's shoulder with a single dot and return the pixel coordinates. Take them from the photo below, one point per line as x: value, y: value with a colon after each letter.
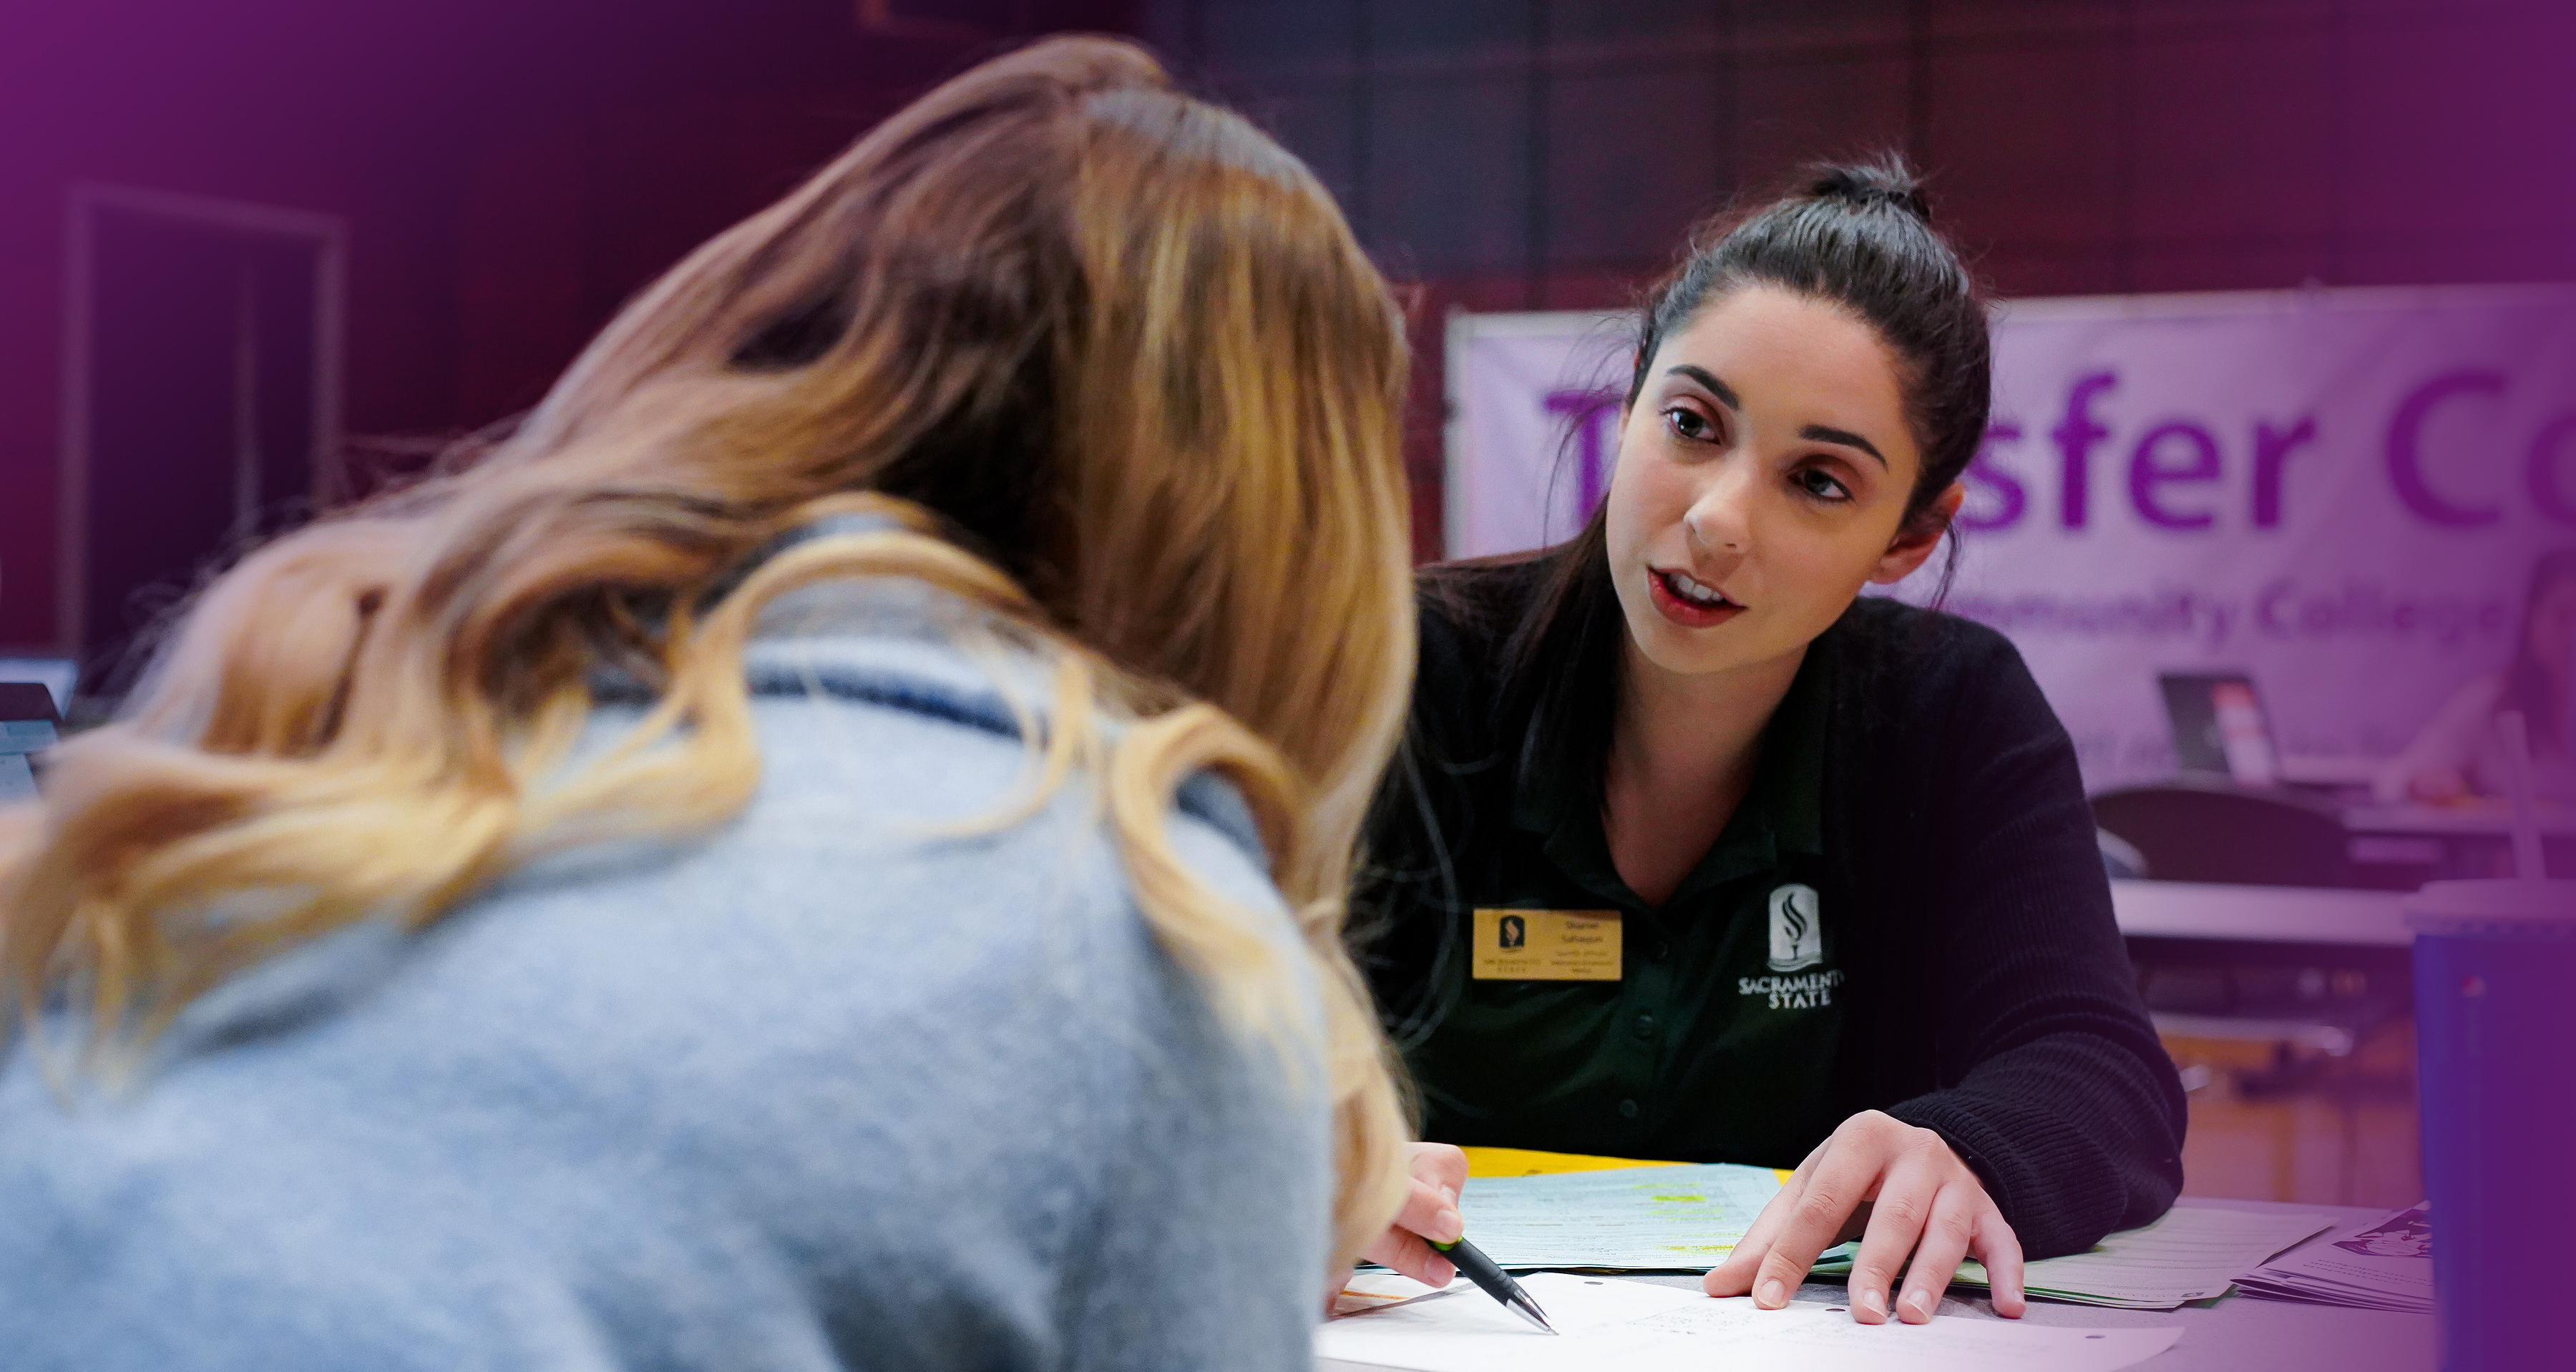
x: 1470, y: 607
x: 894, y: 707
x: 1881, y: 629
x: 1911, y: 667
x: 876, y: 742
x: 893, y: 798
x: 1465, y: 615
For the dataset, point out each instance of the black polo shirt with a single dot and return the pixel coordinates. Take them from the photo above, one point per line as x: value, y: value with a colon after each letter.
x: 1717, y: 1038
x: 1906, y: 913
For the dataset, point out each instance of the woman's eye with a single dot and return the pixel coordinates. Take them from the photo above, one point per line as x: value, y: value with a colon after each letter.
x: 1816, y: 482
x: 1689, y: 423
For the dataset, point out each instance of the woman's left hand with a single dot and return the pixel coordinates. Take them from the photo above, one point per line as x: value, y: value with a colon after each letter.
x: 1902, y: 1191
x: 1439, y: 1173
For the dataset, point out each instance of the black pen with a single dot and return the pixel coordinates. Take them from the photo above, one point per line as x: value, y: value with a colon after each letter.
x: 1497, y: 1282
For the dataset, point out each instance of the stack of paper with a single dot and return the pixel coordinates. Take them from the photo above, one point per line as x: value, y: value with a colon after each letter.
x: 1683, y: 1218
x: 2191, y: 1254
x: 1373, y: 1288
x: 1688, y: 1217
x: 2386, y: 1264
x: 1638, y: 1327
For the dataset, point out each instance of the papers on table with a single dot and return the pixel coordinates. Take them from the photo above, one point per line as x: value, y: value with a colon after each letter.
x: 1688, y: 1218
x: 1373, y: 1289
x: 1639, y: 1327
x: 2385, y: 1264
x: 1679, y: 1218
x: 2191, y: 1254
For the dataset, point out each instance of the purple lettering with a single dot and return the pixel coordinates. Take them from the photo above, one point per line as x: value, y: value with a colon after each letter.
x: 2405, y: 449
x: 2075, y: 437
x: 2268, y: 609
x: 2011, y: 499
x: 2272, y: 449
x: 2542, y: 471
x: 1591, y: 475
x: 2146, y: 473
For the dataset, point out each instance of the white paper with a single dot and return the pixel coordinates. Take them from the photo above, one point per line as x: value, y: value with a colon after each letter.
x: 1639, y: 1218
x: 1604, y: 1322
x: 2192, y: 1253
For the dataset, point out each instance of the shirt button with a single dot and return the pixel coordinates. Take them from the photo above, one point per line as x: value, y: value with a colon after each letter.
x: 1627, y: 1109
x: 1645, y: 1026
x: 1660, y: 952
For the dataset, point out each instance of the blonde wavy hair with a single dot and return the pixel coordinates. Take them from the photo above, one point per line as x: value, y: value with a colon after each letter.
x: 1107, y: 359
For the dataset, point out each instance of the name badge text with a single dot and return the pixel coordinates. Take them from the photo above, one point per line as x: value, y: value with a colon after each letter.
x: 1546, y: 945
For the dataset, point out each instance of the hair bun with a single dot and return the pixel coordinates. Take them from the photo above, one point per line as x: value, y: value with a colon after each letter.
x: 1883, y: 180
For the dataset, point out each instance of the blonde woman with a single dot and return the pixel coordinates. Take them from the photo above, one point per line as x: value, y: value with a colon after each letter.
x: 822, y: 850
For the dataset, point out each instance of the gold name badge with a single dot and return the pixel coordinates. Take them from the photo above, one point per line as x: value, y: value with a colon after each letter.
x: 1546, y: 945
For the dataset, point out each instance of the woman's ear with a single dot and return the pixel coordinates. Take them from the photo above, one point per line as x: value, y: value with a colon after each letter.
x: 1919, y: 536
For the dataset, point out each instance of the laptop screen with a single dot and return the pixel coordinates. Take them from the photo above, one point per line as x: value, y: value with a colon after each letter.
x: 2219, y: 727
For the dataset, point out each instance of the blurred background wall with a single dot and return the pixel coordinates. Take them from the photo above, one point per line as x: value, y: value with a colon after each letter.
x: 1550, y: 154
x: 507, y: 173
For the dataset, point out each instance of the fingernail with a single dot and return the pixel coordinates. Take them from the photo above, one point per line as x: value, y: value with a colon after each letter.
x: 1445, y: 1270
x: 1772, y: 1295
x: 1874, y: 1303
x: 1916, y: 1303
x: 1450, y: 1225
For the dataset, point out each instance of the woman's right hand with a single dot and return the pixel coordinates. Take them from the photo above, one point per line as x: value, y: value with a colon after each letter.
x: 2437, y: 785
x: 1430, y: 1214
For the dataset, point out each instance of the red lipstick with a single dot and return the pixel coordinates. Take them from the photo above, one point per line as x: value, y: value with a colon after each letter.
x: 1683, y: 611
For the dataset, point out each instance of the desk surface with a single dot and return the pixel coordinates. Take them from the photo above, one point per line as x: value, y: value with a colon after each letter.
x: 2482, y: 819
x: 2237, y: 1334
x: 2270, y: 914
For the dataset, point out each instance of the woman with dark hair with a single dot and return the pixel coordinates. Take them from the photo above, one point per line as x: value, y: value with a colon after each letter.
x: 2460, y: 751
x: 1855, y: 919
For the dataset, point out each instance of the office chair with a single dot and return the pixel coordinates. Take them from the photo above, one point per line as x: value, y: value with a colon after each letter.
x: 2194, y: 829
x: 2312, y: 1007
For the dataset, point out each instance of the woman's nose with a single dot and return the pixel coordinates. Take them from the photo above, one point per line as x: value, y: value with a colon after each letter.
x: 1717, y: 523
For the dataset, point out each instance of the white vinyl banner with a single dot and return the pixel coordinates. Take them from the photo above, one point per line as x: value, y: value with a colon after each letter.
x: 2338, y: 492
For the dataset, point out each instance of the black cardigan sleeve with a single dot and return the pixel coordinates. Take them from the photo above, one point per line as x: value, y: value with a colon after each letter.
x: 2054, y: 1085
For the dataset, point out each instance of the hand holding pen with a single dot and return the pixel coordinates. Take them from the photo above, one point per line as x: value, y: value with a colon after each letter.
x: 1427, y: 1240
x: 1429, y: 1215
x: 1495, y: 1282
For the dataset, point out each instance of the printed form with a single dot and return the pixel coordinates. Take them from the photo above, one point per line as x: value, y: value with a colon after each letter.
x: 1642, y: 1219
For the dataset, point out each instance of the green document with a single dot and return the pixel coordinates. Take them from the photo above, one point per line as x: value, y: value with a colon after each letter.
x: 1639, y: 1219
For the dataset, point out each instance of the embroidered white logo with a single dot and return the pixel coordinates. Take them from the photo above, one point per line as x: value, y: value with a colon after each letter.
x: 1797, y: 937
x: 1814, y: 991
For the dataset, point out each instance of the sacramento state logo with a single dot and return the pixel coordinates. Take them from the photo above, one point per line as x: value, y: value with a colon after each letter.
x: 1797, y: 938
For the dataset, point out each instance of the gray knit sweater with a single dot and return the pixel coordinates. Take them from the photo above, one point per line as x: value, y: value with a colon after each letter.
x: 818, y: 1091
